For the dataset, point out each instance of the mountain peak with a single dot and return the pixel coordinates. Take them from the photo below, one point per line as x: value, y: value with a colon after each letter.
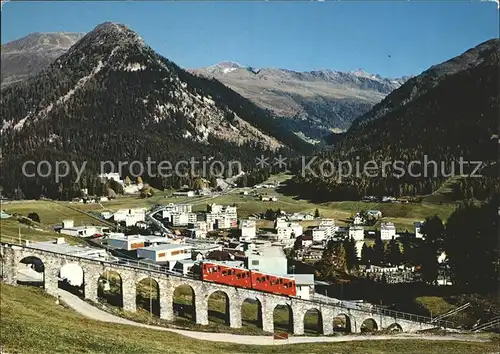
x: 225, y: 67
x: 114, y: 32
x: 363, y: 73
x: 229, y: 64
x: 108, y: 37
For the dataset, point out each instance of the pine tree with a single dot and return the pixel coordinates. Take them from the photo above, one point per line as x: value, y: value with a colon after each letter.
x: 366, y: 254
x: 351, y: 253
x: 325, y: 267
x: 378, y: 251
x: 340, y: 257
x: 434, y: 231
x: 471, y: 239
x: 394, y: 256
x: 316, y: 213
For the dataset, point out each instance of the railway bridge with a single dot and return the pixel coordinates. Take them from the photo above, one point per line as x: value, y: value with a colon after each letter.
x: 132, y: 273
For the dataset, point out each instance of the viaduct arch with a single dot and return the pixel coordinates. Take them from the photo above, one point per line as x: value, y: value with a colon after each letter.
x: 11, y: 255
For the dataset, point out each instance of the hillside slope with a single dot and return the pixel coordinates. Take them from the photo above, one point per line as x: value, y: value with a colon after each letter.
x: 27, y: 56
x: 456, y: 116
x: 50, y: 328
x: 311, y: 103
x: 111, y: 97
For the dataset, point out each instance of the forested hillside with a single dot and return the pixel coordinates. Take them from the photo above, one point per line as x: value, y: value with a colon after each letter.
x: 111, y: 97
x: 456, y: 118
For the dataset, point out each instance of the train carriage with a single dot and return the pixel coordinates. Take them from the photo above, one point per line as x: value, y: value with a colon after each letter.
x: 273, y: 284
x: 223, y: 274
x: 248, y: 279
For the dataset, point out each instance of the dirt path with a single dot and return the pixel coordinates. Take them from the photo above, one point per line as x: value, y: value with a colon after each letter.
x: 92, y: 312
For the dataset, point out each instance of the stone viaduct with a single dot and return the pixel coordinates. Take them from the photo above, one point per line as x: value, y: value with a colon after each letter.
x: 12, y: 255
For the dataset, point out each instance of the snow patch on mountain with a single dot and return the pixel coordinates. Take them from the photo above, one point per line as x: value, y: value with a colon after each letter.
x: 134, y: 67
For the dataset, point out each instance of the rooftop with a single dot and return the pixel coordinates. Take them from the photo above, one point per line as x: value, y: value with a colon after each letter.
x: 126, y: 237
x: 270, y: 251
x: 302, y: 279
x: 84, y: 227
x: 166, y: 247
x: 356, y: 227
x: 235, y: 264
x: 186, y: 261
x: 64, y: 248
x: 388, y: 226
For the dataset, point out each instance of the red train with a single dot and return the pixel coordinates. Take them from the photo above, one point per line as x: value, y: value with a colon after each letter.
x: 248, y: 279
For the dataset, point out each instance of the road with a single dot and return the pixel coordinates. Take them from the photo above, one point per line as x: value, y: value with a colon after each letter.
x: 92, y: 312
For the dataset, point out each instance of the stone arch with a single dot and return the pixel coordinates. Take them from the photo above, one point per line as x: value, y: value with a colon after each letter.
x: 31, y: 271
x: 251, y: 312
x: 342, y: 323
x: 218, y: 307
x: 395, y: 327
x: 313, y: 321
x: 183, y: 302
x: 3, y: 264
x: 369, y: 325
x: 71, y: 277
x: 283, y: 318
x: 147, y: 295
x: 110, y: 287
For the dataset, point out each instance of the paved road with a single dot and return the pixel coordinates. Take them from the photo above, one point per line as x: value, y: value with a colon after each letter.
x: 92, y: 312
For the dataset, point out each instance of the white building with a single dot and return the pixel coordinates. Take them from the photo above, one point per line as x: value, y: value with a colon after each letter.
x: 111, y: 176
x: 304, y: 284
x: 357, y: 233
x: 359, y: 248
x: 68, y: 224
x: 221, y: 217
x: 199, y: 229
x: 132, y: 188
x: 184, y: 194
x: 170, y: 253
x: 418, y: 227
x: 290, y: 230
x: 179, y: 219
x: 329, y: 226
x: 183, y: 266
x: 268, y: 259
x: 387, y: 231
x: 71, y: 272
x: 374, y: 213
x: 81, y: 231
x: 319, y: 234
x: 176, y: 208
x: 280, y: 222
x: 358, y: 220
x: 307, y: 240
x: 248, y: 230
x: 126, y: 242
x: 106, y: 215
x: 203, y: 247
x: 130, y: 216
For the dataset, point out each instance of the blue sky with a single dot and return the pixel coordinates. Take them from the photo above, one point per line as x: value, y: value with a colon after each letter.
x: 294, y: 35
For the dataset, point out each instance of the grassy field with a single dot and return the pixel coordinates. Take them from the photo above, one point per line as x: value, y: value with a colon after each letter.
x: 403, y: 215
x: 435, y: 305
x: 10, y: 229
x: 444, y: 193
x: 50, y: 213
x: 33, y: 323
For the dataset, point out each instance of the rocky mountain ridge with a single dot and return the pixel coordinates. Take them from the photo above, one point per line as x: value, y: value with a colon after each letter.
x: 27, y: 56
x: 111, y: 97
x: 313, y: 103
